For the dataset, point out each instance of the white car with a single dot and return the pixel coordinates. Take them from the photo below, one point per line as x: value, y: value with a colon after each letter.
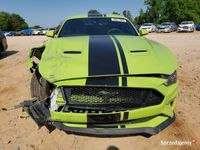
x: 36, y: 32
x: 186, y: 26
x: 150, y: 27
x: 43, y: 31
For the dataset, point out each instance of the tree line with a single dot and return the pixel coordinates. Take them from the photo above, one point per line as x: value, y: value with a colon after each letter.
x: 12, y: 22
x: 158, y: 11
x: 169, y: 10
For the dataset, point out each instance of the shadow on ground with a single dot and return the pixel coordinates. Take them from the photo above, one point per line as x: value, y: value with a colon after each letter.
x: 112, y: 148
x: 7, y: 53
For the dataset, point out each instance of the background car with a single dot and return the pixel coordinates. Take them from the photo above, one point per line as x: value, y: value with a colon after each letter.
x: 186, y: 26
x: 167, y: 27
x: 43, y: 31
x: 174, y: 26
x: 137, y: 26
x: 10, y: 33
x: 3, y: 42
x: 26, y: 32
x: 164, y: 27
x: 36, y: 32
x: 150, y: 27
x: 198, y: 27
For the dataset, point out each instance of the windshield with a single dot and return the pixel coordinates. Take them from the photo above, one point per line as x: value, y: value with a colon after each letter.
x: 165, y: 24
x: 187, y: 22
x: 97, y: 26
x: 147, y: 24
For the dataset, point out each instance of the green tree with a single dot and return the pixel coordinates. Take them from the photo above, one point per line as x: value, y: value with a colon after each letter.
x: 12, y: 22
x: 93, y: 11
x: 170, y: 10
x: 4, y: 21
x: 142, y: 18
x: 17, y: 23
x: 128, y: 15
x: 36, y: 27
x: 115, y: 13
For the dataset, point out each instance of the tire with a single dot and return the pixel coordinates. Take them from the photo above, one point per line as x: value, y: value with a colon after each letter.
x: 44, y: 89
x: 34, y: 85
x: 39, y: 87
x: 1, y: 47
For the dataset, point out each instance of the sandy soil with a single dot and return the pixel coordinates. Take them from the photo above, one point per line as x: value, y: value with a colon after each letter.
x: 19, y: 132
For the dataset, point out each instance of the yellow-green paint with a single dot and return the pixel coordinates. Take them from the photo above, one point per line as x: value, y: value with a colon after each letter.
x: 72, y: 70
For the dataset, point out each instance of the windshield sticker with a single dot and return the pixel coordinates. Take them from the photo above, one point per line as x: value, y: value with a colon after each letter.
x: 118, y: 20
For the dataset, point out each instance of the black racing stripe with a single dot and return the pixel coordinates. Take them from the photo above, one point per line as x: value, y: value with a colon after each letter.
x: 112, y: 81
x: 103, y: 58
x: 124, y: 81
x: 124, y: 63
x: 125, y: 116
x: 110, y: 118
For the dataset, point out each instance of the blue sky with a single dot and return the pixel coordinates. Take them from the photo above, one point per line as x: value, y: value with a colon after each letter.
x: 50, y: 13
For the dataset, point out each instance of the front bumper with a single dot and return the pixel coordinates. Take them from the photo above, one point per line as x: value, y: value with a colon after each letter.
x: 166, y: 30
x: 43, y: 117
x: 116, y: 131
x: 185, y: 29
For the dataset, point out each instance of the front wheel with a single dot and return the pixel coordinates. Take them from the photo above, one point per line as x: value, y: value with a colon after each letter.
x: 40, y: 88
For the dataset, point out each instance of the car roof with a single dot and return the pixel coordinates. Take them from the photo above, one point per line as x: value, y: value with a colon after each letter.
x: 165, y: 22
x: 97, y: 15
x: 187, y: 22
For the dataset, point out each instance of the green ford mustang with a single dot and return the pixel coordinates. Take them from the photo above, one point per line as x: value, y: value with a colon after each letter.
x: 99, y: 76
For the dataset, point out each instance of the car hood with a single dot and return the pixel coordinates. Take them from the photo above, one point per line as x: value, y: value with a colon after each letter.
x: 146, y: 27
x: 185, y: 25
x: 95, y: 56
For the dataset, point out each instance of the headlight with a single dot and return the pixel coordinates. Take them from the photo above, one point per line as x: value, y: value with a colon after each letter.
x: 171, y: 79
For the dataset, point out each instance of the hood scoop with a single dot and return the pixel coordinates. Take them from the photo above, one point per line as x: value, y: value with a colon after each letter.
x: 72, y: 52
x: 138, y: 51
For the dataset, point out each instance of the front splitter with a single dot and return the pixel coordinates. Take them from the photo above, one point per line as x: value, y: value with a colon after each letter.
x: 42, y: 116
x: 117, y: 131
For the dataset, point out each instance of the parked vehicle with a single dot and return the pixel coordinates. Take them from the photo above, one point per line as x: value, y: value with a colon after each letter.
x: 167, y: 27
x: 99, y: 76
x: 18, y: 33
x: 10, y: 33
x: 186, y: 26
x: 36, y: 32
x: 164, y: 27
x: 44, y: 31
x: 3, y: 42
x: 26, y: 32
x: 174, y: 26
x: 198, y: 27
x: 137, y: 27
x: 150, y: 27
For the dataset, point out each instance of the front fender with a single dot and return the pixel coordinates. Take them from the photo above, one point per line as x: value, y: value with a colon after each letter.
x: 35, y: 52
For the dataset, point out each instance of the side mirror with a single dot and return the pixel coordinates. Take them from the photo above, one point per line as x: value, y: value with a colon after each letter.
x: 50, y: 33
x: 143, y: 32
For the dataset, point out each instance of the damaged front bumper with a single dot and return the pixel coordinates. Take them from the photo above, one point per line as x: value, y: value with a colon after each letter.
x: 97, y: 125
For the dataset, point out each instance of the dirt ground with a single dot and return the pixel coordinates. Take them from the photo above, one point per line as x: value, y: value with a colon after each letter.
x: 18, y: 132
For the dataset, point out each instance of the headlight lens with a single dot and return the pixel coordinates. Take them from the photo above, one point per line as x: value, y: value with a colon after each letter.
x: 171, y: 79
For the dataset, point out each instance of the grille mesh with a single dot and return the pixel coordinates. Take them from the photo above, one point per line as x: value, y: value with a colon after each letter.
x: 109, y: 98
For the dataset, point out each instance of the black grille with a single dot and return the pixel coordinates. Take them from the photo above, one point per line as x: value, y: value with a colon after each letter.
x: 109, y: 98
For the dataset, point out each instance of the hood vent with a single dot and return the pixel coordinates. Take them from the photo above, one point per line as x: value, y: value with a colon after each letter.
x: 138, y: 51
x: 72, y: 52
